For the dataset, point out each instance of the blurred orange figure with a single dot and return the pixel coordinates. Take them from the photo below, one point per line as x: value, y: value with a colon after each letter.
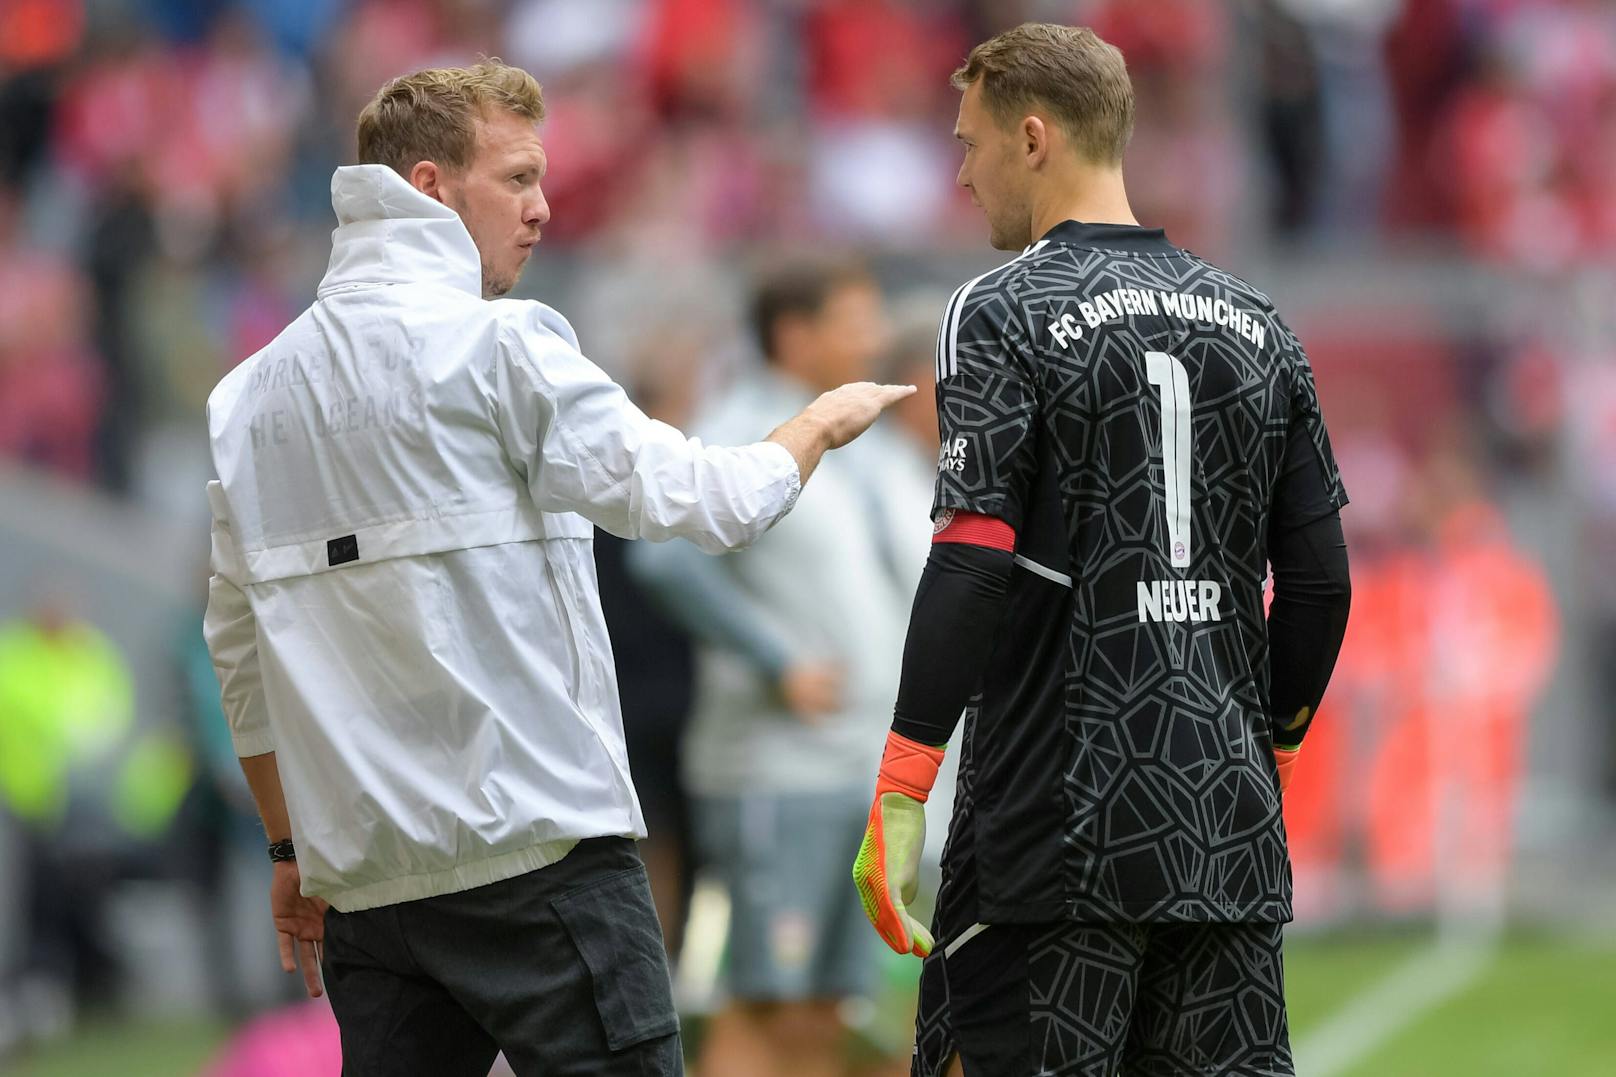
x: 1448, y: 647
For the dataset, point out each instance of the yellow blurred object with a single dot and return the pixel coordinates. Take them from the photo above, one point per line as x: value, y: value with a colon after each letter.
x: 67, y: 703
x: 65, y: 697
x: 150, y: 784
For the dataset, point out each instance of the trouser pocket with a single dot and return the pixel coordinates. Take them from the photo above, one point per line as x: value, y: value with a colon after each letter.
x: 613, y: 924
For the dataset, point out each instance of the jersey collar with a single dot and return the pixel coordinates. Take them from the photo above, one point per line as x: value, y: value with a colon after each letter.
x: 1117, y: 237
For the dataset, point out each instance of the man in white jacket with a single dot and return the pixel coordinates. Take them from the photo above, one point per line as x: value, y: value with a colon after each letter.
x: 404, y: 619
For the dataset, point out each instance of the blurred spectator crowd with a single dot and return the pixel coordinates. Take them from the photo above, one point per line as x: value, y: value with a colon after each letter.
x: 164, y: 163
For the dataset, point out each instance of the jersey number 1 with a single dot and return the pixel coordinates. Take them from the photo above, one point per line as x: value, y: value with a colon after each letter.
x: 1170, y: 378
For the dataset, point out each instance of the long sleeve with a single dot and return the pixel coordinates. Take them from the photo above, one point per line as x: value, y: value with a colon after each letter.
x: 698, y: 593
x: 960, y: 597
x: 1307, y: 620
x: 582, y: 446
x: 232, y: 635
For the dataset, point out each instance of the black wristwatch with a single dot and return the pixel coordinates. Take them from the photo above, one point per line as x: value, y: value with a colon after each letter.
x: 282, y: 850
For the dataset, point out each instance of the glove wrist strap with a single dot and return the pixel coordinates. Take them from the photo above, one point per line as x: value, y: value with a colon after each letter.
x: 908, y: 767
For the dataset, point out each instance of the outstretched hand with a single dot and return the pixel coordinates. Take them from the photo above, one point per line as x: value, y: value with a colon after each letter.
x: 848, y: 411
x: 834, y: 419
x: 299, y: 925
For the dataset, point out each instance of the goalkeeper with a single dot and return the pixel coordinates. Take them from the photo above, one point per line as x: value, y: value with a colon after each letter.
x: 1130, y: 438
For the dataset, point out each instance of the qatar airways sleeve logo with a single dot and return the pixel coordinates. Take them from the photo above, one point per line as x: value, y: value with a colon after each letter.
x: 952, y: 456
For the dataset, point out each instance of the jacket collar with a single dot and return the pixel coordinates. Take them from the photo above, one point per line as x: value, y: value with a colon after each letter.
x: 390, y: 233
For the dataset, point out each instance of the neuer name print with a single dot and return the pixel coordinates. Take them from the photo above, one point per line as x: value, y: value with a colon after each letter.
x: 1179, y: 600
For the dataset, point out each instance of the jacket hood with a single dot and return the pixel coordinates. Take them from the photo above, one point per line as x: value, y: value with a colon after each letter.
x: 390, y: 233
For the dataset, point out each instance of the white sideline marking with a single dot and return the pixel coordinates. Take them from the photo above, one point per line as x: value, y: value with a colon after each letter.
x: 1430, y: 977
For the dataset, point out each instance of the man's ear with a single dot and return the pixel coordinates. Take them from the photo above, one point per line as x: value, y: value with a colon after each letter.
x: 1034, y: 140
x: 424, y: 177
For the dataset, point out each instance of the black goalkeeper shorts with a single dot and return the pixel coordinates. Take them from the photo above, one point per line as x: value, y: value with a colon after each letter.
x: 1099, y: 1000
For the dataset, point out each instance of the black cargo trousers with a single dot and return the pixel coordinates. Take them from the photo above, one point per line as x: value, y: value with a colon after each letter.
x: 561, y: 968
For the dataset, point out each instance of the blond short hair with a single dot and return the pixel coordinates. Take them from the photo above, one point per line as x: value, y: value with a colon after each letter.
x: 1069, y: 70
x: 431, y: 115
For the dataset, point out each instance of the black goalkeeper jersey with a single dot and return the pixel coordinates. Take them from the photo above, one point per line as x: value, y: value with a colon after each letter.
x: 1142, y: 419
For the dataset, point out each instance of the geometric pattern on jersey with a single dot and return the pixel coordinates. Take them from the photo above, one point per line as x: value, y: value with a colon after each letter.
x: 1122, y: 752
x: 1098, y: 1000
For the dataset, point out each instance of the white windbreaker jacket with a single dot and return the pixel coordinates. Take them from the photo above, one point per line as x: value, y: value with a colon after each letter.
x: 404, y: 606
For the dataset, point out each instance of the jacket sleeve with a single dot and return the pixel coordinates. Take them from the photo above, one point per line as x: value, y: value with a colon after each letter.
x: 582, y: 446
x: 232, y: 635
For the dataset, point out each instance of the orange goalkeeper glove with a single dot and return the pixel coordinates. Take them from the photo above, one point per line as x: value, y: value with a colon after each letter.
x: 1285, y: 761
x: 887, y: 871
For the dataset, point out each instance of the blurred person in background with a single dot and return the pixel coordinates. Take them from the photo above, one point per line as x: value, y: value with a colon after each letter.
x: 66, y: 698
x: 1348, y: 101
x: 405, y: 622
x: 222, y: 826
x: 652, y: 655
x: 800, y: 641
x: 91, y: 793
x: 1105, y: 618
x: 1290, y: 106
x: 52, y: 389
x: 1467, y: 635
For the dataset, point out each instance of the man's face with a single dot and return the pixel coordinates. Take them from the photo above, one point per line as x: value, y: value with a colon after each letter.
x: 848, y: 334
x: 994, y: 172
x: 499, y: 199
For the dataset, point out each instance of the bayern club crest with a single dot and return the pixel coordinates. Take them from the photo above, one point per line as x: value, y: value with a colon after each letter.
x: 940, y: 524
